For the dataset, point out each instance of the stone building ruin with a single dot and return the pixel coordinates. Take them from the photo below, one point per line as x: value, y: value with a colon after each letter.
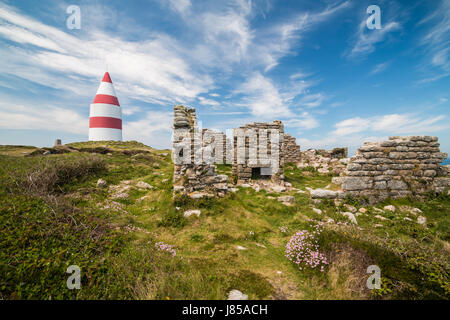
x: 258, y: 152
x: 194, y: 170
x: 398, y: 167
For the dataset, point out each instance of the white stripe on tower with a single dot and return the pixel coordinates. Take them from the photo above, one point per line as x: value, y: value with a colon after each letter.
x: 106, y: 88
x: 105, y: 110
x: 105, y: 118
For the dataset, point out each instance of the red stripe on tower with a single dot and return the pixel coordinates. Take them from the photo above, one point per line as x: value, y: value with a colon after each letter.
x: 107, y: 99
x: 105, y: 122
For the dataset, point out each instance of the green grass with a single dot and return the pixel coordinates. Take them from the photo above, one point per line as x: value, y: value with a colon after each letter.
x: 115, y: 248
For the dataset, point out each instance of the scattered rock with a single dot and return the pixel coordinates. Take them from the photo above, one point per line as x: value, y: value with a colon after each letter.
x: 199, y: 195
x: 178, y: 188
x: 278, y: 189
x: 318, y: 211
x: 143, y: 185
x: 189, y: 213
x: 407, y: 219
x: 101, y: 183
x: 286, y: 199
x: 390, y: 208
x: 142, y: 198
x: 245, y: 185
x: 350, y: 216
x: 422, y: 221
x: 350, y: 208
x: 380, y: 217
x: 301, y: 191
x: 234, y: 190
x: 288, y: 184
x: 121, y: 196
x: 416, y: 211
x: 378, y: 210
x: 237, y: 295
x: 322, y: 193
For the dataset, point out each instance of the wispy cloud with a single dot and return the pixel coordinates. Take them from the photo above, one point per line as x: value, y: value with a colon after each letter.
x: 154, y: 70
x: 436, y: 42
x: 391, y: 123
x: 41, y: 117
x: 353, y: 132
x: 379, y: 68
x: 366, y: 39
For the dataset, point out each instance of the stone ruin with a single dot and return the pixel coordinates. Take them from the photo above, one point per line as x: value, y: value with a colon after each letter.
x: 258, y: 152
x: 398, y: 167
x: 193, y: 176
x: 325, y: 161
x: 291, y: 150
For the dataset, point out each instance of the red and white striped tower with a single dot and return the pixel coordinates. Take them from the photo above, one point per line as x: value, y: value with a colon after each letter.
x: 105, y: 119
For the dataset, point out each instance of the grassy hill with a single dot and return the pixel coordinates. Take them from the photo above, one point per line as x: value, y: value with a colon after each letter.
x: 53, y: 214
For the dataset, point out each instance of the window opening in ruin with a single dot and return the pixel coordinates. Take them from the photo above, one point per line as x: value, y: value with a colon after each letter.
x: 256, y: 173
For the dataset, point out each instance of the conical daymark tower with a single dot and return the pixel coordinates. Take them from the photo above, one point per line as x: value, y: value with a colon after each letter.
x: 105, y: 118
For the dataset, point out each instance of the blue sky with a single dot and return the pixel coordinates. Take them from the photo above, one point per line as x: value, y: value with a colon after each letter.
x: 313, y: 64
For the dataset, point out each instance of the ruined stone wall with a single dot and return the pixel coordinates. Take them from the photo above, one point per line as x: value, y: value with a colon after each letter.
x: 192, y: 174
x: 325, y: 161
x: 398, y: 167
x: 220, y: 146
x: 291, y: 150
x: 264, y: 141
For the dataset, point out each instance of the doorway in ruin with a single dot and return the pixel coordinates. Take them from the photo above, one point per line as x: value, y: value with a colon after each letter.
x: 261, y: 173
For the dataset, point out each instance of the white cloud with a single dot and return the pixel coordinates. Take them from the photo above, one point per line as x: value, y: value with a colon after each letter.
x: 379, y: 68
x: 154, y: 129
x: 391, y: 124
x: 129, y: 110
x: 53, y: 118
x: 262, y: 97
x: 303, y: 121
x: 436, y: 43
x: 180, y: 6
x: 312, y: 100
x: 208, y: 102
x: 154, y: 70
x: 367, y: 39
